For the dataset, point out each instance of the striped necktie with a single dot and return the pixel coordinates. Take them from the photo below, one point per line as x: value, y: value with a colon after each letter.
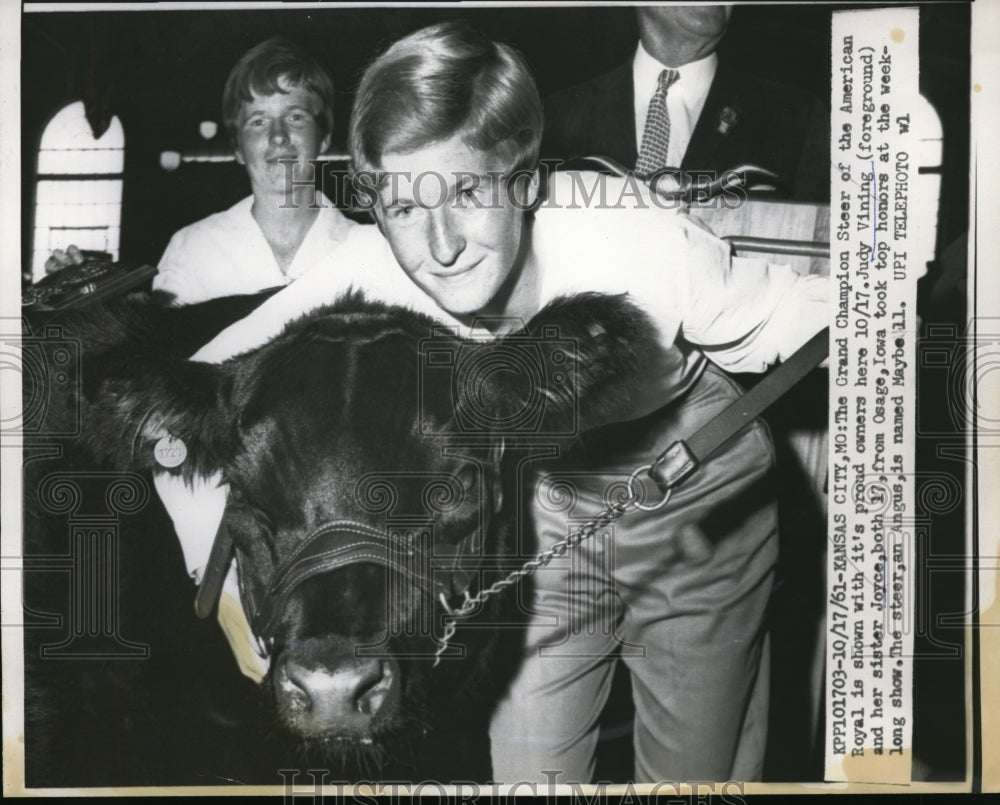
x: 656, y: 134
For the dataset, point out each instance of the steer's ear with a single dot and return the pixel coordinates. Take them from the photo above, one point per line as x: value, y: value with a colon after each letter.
x: 577, y: 365
x: 185, y: 401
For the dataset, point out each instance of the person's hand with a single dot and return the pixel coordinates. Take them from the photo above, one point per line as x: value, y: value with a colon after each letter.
x: 60, y: 259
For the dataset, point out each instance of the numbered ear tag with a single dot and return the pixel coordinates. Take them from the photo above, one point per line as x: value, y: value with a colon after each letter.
x: 170, y: 452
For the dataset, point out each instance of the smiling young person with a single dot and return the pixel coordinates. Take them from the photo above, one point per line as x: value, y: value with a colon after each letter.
x: 278, y: 110
x: 445, y: 132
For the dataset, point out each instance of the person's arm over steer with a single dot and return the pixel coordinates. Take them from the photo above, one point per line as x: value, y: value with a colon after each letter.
x: 445, y: 132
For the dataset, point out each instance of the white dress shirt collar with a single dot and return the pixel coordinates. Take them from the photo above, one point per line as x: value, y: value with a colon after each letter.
x: 685, y: 99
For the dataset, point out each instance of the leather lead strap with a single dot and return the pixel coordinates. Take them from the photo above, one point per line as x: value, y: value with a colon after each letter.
x: 215, y: 572
x: 682, y: 458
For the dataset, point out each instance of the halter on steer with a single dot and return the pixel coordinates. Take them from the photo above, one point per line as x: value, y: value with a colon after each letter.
x: 444, y: 572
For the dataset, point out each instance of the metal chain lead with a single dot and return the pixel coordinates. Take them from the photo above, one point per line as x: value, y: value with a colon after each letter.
x: 605, y: 517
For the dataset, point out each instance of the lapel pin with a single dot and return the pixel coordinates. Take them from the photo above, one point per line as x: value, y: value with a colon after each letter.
x: 170, y: 452
x: 728, y: 118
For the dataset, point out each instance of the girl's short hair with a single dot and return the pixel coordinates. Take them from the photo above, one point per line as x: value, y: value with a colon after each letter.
x: 440, y: 81
x: 261, y: 70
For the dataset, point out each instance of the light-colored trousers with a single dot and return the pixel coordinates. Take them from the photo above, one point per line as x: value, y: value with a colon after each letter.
x: 680, y: 595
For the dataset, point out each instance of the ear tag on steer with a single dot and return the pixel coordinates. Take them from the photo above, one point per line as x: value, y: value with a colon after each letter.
x: 170, y: 452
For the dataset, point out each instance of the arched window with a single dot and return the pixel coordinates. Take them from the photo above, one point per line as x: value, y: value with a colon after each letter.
x: 79, y: 193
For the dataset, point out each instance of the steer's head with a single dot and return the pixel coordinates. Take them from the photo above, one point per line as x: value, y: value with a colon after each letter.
x: 368, y: 487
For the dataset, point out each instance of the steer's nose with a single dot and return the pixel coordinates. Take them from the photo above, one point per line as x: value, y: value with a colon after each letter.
x: 340, y: 698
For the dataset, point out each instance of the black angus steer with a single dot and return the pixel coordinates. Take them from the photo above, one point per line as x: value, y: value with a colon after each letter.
x: 374, y: 469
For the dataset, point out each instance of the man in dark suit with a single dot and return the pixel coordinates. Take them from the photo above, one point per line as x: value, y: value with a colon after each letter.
x: 719, y: 116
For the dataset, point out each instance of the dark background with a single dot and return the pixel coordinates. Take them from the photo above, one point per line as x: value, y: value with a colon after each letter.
x: 163, y: 72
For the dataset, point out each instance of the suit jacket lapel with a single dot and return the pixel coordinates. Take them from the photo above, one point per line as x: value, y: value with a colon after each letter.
x: 707, y: 137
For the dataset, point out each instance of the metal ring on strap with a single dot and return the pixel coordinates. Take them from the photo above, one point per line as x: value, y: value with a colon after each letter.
x: 636, y: 497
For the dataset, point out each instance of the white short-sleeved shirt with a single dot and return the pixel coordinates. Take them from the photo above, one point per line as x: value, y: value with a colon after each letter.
x: 226, y: 254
